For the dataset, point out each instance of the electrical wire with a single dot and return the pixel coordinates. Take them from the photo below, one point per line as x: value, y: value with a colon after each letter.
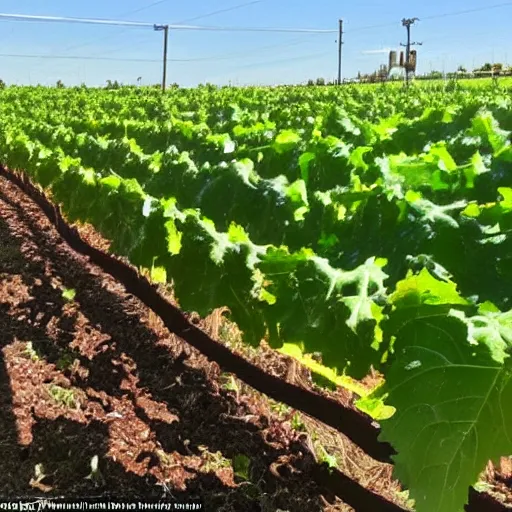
x: 77, y: 57
x: 143, y: 8
x: 138, y: 41
x: 182, y: 26
x: 466, y: 11
x: 250, y: 51
x: 200, y: 59
x: 258, y: 65
x: 432, y: 17
x: 221, y: 11
x: 110, y: 36
x: 281, y: 61
x: 253, y: 29
x: 302, y: 58
x: 99, y: 21
x: 235, y: 55
x: 65, y: 19
x: 110, y: 59
x: 196, y: 59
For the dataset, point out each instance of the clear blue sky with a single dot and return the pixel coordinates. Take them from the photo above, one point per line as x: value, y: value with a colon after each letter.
x: 240, y: 58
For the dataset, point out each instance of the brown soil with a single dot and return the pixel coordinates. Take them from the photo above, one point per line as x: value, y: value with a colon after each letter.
x: 99, y: 375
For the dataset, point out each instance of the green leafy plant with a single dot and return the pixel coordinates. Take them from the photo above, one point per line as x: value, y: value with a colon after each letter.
x: 241, y: 466
x: 69, y: 294
x: 389, y: 248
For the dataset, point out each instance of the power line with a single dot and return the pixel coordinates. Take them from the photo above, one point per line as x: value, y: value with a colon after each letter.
x: 110, y: 36
x: 434, y: 37
x: 293, y: 42
x: 64, y: 19
x: 466, y: 11
x: 201, y: 16
x: 120, y: 59
x: 99, y: 21
x: 371, y: 27
x: 229, y: 56
x: 255, y: 65
x: 95, y: 41
x: 221, y: 11
x: 241, y: 54
x: 183, y: 26
x: 254, y: 29
x: 139, y: 40
x: 432, y: 17
x: 76, y: 57
x: 144, y: 8
x: 281, y: 61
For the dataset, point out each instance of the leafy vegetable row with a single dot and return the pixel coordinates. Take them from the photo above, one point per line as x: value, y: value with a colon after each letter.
x: 372, y: 255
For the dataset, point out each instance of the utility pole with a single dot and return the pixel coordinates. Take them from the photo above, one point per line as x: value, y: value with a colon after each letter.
x: 165, y: 28
x: 340, y: 45
x: 407, y: 22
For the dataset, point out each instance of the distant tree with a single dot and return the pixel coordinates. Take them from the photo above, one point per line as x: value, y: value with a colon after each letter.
x: 486, y: 67
x: 320, y: 81
x: 113, y: 85
x: 311, y: 82
x: 462, y: 69
x: 2, y: 84
x: 60, y: 84
x: 435, y: 75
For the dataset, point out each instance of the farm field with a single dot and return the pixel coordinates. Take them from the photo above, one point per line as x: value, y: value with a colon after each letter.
x: 504, y: 82
x: 369, y: 228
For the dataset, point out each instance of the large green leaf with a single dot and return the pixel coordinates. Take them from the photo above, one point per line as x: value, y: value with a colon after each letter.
x: 450, y: 380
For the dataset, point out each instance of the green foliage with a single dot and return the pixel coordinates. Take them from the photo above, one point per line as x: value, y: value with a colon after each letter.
x: 451, y: 384
x: 69, y: 294
x: 241, y: 466
x: 371, y: 225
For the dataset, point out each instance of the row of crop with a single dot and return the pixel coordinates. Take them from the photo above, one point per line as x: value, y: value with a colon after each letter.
x: 230, y: 111
x: 275, y: 212
x: 398, y: 223
x: 209, y: 269
x: 322, y: 160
